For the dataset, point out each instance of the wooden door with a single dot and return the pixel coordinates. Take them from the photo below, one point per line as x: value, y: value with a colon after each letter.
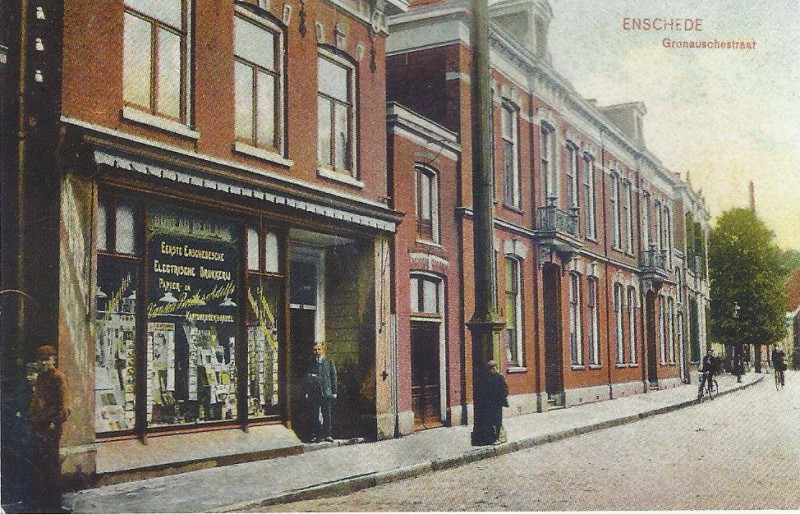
x: 425, y: 368
x: 553, y: 348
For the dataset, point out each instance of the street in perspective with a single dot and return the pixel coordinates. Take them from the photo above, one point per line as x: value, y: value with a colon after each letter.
x: 739, y: 451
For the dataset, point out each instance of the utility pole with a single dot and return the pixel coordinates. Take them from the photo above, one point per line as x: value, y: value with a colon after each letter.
x: 485, y: 321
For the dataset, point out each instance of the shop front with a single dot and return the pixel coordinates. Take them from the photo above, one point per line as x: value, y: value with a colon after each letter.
x: 204, y: 310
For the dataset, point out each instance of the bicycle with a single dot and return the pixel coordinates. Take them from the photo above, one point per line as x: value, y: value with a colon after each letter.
x: 711, y: 388
x: 780, y: 379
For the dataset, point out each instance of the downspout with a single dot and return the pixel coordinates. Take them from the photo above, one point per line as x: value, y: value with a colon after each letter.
x: 21, y: 149
x: 605, y: 252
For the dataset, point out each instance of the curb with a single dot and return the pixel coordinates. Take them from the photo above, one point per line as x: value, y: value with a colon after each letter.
x: 355, y: 483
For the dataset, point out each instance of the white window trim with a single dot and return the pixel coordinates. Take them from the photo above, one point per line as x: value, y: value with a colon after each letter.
x: 168, y: 124
x: 315, y: 256
x: 513, y: 111
x: 324, y: 170
x: 137, y: 115
x: 519, y: 343
x: 434, y: 203
x: 662, y: 330
x: 249, y: 149
x: 619, y: 322
x: 631, y: 299
x: 576, y: 323
x: 593, y: 318
x: 590, y: 215
x: 261, y: 153
x: 616, y: 225
x: 628, y: 190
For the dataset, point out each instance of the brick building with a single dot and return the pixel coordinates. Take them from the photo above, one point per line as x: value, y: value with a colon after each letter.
x: 203, y: 196
x: 602, y: 290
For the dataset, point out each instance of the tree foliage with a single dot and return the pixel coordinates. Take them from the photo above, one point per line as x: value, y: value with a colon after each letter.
x: 746, y: 267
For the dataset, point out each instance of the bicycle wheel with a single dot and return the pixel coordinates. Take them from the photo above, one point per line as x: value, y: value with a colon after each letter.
x: 713, y: 389
x: 777, y: 379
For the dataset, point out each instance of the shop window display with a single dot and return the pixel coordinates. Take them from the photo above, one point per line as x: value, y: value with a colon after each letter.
x: 191, y: 319
x: 170, y: 356
x: 264, y: 306
x: 115, y: 374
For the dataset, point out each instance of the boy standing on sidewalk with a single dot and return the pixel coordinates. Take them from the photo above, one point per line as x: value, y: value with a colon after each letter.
x: 49, y: 411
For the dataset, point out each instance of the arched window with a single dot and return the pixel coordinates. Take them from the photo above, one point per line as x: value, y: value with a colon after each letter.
x: 575, y: 339
x: 618, y: 323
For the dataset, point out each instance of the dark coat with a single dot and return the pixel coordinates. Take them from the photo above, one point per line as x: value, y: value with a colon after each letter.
x: 496, y: 391
x: 325, y: 372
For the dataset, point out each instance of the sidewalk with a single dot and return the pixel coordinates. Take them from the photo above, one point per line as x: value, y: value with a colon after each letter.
x: 343, y: 469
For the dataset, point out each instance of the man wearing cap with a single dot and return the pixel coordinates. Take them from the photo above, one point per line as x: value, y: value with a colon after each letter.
x: 49, y: 411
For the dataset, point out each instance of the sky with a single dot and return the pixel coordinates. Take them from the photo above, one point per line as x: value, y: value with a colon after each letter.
x: 725, y: 116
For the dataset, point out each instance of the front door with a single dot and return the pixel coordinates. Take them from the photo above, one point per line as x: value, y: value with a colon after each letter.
x: 425, y: 383
x: 553, y: 351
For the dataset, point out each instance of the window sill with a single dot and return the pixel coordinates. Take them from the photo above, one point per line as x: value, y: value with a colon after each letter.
x: 578, y: 367
x: 428, y: 242
x: 620, y: 365
x: 633, y: 365
x: 339, y: 177
x: 595, y: 366
x: 167, y: 125
x: 513, y: 208
x: 266, y: 155
x: 516, y: 369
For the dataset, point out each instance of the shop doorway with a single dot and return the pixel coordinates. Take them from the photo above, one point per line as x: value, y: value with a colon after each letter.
x: 553, y: 351
x: 425, y: 371
x: 306, y: 297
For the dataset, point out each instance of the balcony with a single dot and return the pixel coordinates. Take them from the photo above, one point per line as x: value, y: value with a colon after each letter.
x: 654, y: 265
x: 558, y: 229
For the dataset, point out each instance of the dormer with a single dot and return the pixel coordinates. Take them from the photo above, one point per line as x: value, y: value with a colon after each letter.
x: 527, y: 21
x: 628, y: 118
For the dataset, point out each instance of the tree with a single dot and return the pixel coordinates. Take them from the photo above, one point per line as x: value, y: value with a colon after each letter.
x: 746, y: 268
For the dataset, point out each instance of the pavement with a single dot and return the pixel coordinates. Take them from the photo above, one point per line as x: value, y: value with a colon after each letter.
x: 340, y: 468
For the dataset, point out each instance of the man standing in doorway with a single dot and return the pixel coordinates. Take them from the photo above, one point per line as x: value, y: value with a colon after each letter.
x: 324, y: 371
x: 49, y: 411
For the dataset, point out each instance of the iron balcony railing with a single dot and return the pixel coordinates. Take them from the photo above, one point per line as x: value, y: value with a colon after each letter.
x: 553, y: 219
x: 654, y: 259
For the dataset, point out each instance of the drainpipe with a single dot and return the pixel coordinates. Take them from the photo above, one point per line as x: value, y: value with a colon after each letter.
x: 485, y: 321
x: 605, y: 252
x: 22, y: 150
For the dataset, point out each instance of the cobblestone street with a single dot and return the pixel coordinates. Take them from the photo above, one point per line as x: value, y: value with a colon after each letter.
x: 740, y: 451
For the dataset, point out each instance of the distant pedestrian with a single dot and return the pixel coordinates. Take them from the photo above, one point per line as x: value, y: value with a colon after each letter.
x: 707, y: 370
x: 321, y: 390
x: 17, y: 427
x: 496, y: 399
x: 779, y: 363
x: 49, y: 411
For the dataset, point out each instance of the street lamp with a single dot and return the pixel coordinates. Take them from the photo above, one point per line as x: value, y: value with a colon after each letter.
x: 737, y: 352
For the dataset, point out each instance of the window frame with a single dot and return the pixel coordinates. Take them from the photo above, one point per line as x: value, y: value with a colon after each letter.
x: 613, y: 198
x: 575, y: 317
x: 512, y: 182
x: 628, y: 214
x: 590, y: 217
x: 278, y: 74
x: 513, y: 293
x: 632, y: 304
x: 593, y: 319
x: 422, y: 172
x: 331, y: 170
x: 619, y: 324
x: 547, y: 163
x: 573, y: 177
x: 185, y: 94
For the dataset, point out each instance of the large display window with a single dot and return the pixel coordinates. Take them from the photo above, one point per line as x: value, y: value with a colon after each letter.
x: 170, y: 298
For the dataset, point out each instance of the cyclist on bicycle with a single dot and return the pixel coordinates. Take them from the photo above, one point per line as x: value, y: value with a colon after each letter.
x: 707, y: 366
x: 779, y: 363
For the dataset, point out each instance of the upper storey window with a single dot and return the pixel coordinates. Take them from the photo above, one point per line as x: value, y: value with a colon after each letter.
x: 549, y: 176
x: 336, y: 145
x: 511, y: 179
x: 155, y: 68
x: 427, y: 204
x: 257, y: 79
